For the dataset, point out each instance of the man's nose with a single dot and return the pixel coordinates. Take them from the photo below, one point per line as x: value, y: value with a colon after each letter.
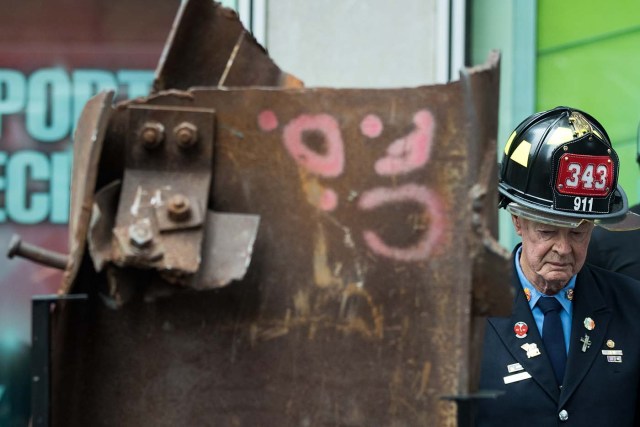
x: 561, y: 244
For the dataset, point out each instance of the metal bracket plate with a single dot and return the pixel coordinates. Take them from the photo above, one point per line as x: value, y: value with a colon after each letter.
x: 169, y: 155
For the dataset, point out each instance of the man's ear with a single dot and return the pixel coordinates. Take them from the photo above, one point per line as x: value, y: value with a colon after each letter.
x: 517, y: 224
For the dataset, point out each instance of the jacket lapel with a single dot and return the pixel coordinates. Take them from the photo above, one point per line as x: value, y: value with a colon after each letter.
x: 539, y: 367
x: 588, y: 302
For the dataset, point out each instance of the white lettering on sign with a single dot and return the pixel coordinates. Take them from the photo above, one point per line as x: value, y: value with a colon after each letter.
x: 584, y: 204
x: 586, y: 176
x: 34, y: 184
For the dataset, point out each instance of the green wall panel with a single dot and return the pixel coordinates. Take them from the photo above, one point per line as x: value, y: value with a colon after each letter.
x: 574, y: 21
x: 590, y: 60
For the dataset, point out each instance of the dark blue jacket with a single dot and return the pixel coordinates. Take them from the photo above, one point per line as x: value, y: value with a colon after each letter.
x: 597, y: 390
x: 616, y: 250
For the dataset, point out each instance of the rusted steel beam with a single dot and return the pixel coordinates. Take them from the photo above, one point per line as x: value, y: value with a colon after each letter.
x: 87, y: 153
x: 357, y: 306
x: 208, y: 46
x: 373, y: 265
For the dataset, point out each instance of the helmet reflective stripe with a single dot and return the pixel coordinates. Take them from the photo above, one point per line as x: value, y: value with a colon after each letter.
x: 508, y: 145
x: 521, y: 153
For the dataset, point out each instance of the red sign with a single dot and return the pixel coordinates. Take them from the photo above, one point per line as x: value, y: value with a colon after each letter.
x: 581, y: 175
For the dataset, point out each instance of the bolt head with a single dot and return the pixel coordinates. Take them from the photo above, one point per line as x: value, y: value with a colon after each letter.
x: 186, y: 134
x: 14, y: 246
x: 140, y: 234
x: 152, y: 134
x: 178, y: 207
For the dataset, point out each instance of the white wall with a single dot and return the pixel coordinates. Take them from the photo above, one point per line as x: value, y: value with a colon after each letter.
x: 360, y: 43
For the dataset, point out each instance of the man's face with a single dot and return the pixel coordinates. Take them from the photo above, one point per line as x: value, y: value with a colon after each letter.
x: 551, y: 255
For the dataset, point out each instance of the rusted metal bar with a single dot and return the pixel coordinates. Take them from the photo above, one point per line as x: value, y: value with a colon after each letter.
x: 36, y: 254
x: 87, y: 154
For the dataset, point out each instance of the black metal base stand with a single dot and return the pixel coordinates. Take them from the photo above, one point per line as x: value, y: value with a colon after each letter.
x: 41, y: 309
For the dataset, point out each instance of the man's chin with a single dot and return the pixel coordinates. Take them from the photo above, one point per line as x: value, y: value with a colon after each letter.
x: 557, y: 279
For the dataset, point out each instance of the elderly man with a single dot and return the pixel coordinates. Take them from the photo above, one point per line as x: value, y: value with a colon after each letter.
x: 570, y: 353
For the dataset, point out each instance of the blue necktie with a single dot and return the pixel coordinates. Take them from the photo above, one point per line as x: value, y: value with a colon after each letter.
x: 552, y: 335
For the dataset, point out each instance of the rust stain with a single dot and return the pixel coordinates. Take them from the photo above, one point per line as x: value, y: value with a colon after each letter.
x: 253, y: 334
x: 312, y: 188
x: 301, y: 304
x: 394, y: 387
x: 313, y: 329
x: 322, y: 272
x: 424, y: 379
x: 376, y: 329
x: 356, y: 325
x: 367, y: 319
x: 289, y: 81
x: 398, y: 402
x: 273, y: 333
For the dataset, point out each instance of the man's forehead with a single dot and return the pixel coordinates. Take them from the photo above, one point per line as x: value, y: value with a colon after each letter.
x: 584, y: 225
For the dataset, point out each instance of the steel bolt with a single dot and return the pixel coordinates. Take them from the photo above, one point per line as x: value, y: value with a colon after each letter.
x: 36, y: 254
x: 186, y: 134
x: 178, y: 208
x: 152, y: 134
x: 140, y: 234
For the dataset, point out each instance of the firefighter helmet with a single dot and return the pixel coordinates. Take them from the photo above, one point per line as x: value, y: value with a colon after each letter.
x: 559, y: 167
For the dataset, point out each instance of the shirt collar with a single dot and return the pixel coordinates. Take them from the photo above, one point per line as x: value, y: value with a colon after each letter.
x: 535, y: 294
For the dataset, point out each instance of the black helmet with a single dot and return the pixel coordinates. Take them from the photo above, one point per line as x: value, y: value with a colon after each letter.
x: 559, y: 167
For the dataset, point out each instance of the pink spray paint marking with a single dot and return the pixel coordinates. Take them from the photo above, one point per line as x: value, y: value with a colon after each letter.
x: 371, y: 126
x: 409, y: 192
x: 267, y: 120
x: 328, y: 200
x: 329, y: 164
x: 411, y: 151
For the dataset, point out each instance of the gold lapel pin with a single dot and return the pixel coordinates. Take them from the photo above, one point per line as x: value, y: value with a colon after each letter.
x: 569, y: 294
